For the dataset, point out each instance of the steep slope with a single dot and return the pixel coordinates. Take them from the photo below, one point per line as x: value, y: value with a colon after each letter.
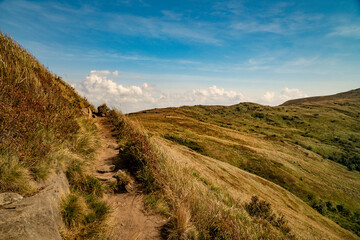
x: 47, y: 140
x: 38, y: 113
x: 304, y: 222
x: 293, y: 146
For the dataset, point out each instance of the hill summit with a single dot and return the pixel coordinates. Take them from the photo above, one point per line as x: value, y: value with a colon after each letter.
x: 349, y: 95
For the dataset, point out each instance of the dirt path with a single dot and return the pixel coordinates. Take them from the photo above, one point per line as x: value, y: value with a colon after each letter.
x: 128, y: 220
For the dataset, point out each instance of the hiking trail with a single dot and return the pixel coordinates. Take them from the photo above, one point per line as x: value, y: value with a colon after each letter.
x: 128, y: 218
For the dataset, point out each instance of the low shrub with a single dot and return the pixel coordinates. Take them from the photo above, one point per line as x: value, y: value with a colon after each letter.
x: 103, y: 110
x: 83, y: 216
x: 13, y: 175
x: 180, y: 226
x: 262, y: 209
x: 74, y: 209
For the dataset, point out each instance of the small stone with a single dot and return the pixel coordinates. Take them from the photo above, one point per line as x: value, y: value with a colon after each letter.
x: 105, y: 178
x: 106, y: 168
x: 9, y: 197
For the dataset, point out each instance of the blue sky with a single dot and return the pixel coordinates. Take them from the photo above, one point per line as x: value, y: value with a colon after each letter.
x: 138, y: 54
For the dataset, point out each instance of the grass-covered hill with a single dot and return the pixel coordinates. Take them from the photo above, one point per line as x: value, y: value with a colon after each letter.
x: 241, y: 172
x: 44, y: 132
x: 308, y: 151
x: 38, y: 115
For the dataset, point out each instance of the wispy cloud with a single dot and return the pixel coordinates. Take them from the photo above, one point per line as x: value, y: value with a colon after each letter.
x: 297, y: 22
x: 252, y: 27
x: 170, y: 15
x: 161, y: 28
x: 350, y: 31
x: 302, y: 61
x: 145, y: 26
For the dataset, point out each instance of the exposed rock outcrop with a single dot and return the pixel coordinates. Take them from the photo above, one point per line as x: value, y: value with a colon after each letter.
x: 9, y: 197
x: 36, y: 217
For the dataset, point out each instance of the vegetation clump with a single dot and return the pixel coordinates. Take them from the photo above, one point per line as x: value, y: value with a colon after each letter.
x: 262, y: 209
x: 83, y: 216
x: 339, y: 213
x: 103, y: 110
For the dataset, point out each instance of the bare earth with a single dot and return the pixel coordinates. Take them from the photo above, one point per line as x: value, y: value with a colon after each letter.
x: 129, y: 220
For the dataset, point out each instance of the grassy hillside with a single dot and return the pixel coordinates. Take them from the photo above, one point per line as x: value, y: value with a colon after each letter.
x: 298, y: 146
x: 42, y: 131
x: 241, y: 172
x: 38, y: 113
x: 198, y: 206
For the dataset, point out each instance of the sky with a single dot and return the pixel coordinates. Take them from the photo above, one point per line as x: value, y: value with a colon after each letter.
x: 141, y: 54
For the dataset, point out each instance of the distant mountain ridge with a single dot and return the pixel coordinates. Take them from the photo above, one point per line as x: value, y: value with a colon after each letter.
x: 352, y: 94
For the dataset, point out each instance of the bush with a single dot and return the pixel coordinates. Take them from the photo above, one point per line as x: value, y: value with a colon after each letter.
x: 73, y: 210
x: 83, y: 216
x: 103, y: 110
x: 179, y: 226
x: 262, y: 209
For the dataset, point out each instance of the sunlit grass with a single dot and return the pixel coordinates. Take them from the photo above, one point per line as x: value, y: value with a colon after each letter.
x: 295, y: 147
x: 43, y: 131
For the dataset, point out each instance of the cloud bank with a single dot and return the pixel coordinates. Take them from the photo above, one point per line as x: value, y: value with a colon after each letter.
x: 99, y: 88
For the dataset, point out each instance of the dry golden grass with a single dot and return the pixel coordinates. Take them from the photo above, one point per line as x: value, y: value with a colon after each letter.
x: 305, y: 222
x: 304, y: 172
x: 199, y: 208
x: 38, y: 117
x: 43, y: 130
x: 220, y: 141
x: 286, y: 163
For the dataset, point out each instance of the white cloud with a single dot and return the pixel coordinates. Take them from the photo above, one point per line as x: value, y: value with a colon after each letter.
x: 104, y: 72
x: 115, y: 73
x: 291, y: 93
x: 214, y: 95
x: 98, y: 89
x: 268, y: 97
x: 285, y: 94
